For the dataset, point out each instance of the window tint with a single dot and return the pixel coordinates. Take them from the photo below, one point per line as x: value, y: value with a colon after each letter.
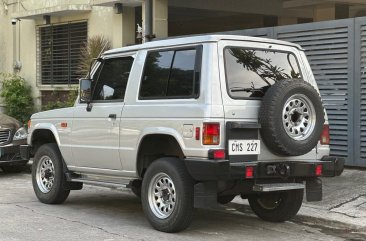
x: 156, y: 76
x: 250, y: 72
x: 112, y: 77
x: 182, y: 74
x: 170, y: 74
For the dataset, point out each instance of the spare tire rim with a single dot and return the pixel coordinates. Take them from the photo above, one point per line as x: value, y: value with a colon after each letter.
x: 298, y: 117
x: 45, y: 174
x: 162, y: 195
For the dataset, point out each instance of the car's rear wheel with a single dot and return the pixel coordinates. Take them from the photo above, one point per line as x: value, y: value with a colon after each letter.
x: 48, y: 178
x: 167, y: 195
x: 277, y: 206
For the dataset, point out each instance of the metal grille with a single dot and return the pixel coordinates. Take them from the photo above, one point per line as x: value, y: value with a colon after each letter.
x: 327, y: 52
x: 363, y: 92
x: 5, y: 136
x: 329, y: 48
x: 58, y: 54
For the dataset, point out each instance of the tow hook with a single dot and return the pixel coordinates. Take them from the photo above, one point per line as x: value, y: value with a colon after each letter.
x: 281, y: 169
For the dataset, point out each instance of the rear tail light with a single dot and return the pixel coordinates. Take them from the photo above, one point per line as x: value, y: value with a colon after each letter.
x: 249, y: 172
x: 29, y: 124
x: 211, y: 134
x: 218, y: 154
x: 324, y: 138
x: 318, y: 170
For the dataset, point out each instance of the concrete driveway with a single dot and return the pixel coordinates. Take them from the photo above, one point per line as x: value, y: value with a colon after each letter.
x: 103, y: 214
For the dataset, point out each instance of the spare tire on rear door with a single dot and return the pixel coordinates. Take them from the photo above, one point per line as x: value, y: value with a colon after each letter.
x: 292, y: 117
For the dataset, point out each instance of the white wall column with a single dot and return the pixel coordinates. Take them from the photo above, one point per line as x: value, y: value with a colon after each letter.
x: 159, y: 18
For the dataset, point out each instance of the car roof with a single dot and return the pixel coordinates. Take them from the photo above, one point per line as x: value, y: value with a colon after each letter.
x: 176, y: 41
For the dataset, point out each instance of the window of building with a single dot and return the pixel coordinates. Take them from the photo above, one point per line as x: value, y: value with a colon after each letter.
x: 171, y: 74
x: 250, y: 72
x: 111, y: 79
x: 59, y: 52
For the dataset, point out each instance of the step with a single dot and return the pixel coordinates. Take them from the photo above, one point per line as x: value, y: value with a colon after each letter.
x: 273, y: 187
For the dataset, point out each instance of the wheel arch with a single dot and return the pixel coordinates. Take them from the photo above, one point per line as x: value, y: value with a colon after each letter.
x: 42, y: 134
x: 153, y: 145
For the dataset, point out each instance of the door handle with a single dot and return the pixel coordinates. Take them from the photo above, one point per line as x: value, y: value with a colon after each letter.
x: 112, y: 116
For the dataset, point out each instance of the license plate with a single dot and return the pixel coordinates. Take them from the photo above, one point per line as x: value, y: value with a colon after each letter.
x: 244, y: 147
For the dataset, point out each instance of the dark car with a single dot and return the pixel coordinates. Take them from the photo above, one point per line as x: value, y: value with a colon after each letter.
x: 12, y: 135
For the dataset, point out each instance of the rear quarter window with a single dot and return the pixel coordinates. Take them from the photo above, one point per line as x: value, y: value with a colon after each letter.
x: 250, y: 72
x: 171, y: 74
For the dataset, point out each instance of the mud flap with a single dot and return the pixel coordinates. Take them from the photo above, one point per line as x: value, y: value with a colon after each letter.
x: 205, y: 195
x: 314, y: 191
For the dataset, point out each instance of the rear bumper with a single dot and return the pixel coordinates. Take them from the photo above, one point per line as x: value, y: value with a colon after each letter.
x: 209, y: 170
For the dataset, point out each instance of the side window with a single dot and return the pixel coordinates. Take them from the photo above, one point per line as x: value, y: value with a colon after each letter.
x: 171, y: 74
x: 111, y: 79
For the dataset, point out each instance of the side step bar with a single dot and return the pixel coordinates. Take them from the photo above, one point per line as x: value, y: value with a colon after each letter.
x: 273, y: 187
x: 101, y: 184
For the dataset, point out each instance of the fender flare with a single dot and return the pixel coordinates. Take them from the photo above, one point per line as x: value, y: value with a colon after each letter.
x: 45, y: 126
x: 158, y: 131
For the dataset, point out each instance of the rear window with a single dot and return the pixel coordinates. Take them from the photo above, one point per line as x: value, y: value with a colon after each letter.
x: 250, y: 72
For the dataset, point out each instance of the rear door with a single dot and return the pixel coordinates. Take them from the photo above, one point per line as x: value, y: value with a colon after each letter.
x: 247, y: 70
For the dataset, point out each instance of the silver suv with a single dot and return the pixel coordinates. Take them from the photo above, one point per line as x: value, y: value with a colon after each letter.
x: 191, y: 122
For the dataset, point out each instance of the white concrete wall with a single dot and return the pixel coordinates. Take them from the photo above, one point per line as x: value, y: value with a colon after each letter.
x: 118, y: 28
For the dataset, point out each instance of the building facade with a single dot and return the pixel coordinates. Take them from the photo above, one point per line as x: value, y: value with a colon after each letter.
x: 41, y: 41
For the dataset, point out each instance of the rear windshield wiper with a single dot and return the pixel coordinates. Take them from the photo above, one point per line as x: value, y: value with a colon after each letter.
x: 246, y: 90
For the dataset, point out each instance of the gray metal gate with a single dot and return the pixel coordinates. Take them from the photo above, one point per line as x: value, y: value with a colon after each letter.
x: 337, y: 54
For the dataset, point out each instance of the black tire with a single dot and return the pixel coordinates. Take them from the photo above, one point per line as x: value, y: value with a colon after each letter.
x: 277, y: 206
x: 182, y: 213
x: 273, y: 121
x: 13, y: 169
x: 225, y: 199
x: 57, y: 193
x: 136, y: 187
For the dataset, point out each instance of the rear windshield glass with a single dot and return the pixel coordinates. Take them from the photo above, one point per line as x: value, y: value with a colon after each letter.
x: 250, y: 72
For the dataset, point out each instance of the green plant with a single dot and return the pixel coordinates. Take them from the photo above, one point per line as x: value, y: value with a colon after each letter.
x: 59, y: 102
x: 91, y: 50
x: 17, y: 96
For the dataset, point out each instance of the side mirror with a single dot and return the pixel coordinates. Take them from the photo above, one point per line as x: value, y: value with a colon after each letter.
x: 85, y: 90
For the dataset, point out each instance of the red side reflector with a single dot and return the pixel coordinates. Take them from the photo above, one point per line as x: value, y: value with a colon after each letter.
x: 63, y: 124
x: 249, y: 172
x: 198, y: 132
x: 318, y: 170
x: 216, y: 154
x: 324, y: 138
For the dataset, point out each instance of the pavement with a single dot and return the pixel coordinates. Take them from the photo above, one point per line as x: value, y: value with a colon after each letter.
x: 343, y: 204
x: 344, y: 201
x: 96, y: 213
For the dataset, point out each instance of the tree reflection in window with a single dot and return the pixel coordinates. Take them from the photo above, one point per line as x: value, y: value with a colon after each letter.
x: 250, y: 72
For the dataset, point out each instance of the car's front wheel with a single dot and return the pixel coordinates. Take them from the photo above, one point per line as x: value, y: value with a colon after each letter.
x: 167, y: 195
x: 277, y: 206
x: 48, y: 177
